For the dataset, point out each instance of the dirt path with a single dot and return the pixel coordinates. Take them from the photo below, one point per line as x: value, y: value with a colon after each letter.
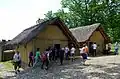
x: 106, y: 67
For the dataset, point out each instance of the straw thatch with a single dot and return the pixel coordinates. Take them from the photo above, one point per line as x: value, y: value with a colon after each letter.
x: 30, y: 33
x: 83, y: 33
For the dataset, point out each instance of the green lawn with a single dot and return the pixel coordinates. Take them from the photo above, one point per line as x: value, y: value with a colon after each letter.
x: 7, y: 65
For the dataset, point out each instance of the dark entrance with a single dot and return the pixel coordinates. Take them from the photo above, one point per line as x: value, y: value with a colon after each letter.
x: 57, y: 46
x: 90, y: 48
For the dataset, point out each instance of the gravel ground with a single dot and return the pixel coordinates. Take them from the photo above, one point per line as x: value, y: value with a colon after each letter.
x: 105, y: 67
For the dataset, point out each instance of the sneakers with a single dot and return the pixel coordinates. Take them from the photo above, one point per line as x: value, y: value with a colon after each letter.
x: 17, y: 71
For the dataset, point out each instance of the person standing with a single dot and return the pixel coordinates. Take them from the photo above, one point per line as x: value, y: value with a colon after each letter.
x: 56, y: 54
x: 30, y: 59
x: 37, y: 57
x: 66, y: 52
x: 83, y: 54
x: 86, y: 49
x: 72, y: 51
x: 109, y: 46
x: 61, y: 56
x: 94, y: 49
x: 106, y: 49
x: 116, y: 48
x: 17, y: 61
x: 45, y: 59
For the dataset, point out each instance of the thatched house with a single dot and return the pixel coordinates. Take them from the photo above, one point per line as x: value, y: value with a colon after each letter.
x: 91, y: 33
x: 48, y: 33
x: 5, y: 55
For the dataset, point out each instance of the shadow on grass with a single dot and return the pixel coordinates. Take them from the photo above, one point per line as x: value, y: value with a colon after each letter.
x: 1, y: 78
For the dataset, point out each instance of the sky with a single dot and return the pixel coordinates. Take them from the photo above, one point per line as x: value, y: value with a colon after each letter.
x: 17, y: 15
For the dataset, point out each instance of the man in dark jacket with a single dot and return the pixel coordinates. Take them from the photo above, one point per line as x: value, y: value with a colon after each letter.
x: 61, y: 56
x: 30, y: 59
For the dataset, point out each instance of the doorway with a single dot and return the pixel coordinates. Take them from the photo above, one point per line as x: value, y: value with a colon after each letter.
x: 90, y: 48
x: 57, y: 46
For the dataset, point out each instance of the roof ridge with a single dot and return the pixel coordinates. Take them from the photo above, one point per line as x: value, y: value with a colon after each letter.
x: 85, y: 26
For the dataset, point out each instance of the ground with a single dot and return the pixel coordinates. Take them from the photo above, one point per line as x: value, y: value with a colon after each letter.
x: 105, y: 67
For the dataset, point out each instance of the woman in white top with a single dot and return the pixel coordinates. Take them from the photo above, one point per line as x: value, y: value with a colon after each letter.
x: 66, y: 52
x: 94, y: 48
x: 72, y: 51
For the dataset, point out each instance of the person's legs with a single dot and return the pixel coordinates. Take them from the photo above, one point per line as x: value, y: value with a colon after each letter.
x: 84, y: 61
x: 66, y: 56
x: 42, y: 64
x: 60, y: 60
x: 95, y: 52
x: 47, y: 63
x: 117, y: 52
x: 84, y: 58
x: 15, y: 67
x: 55, y: 58
x: 35, y: 63
x: 73, y: 56
x: 19, y: 66
x: 30, y: 62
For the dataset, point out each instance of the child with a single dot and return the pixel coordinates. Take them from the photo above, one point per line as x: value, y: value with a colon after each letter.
x: 83, y: 54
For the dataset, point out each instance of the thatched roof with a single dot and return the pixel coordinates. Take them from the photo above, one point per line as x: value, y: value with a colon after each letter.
x: 83, y: 33
x: 30, y: 33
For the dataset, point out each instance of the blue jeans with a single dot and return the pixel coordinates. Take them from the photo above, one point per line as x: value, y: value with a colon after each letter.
x: 116, y: 51
x: 37, y: 61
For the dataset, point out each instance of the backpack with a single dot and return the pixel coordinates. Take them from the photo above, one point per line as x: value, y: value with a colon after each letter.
x: 43, y: 57
x: 86, y: 49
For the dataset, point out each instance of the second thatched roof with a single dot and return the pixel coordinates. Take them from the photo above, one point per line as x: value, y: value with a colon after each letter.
x: 83, y: 33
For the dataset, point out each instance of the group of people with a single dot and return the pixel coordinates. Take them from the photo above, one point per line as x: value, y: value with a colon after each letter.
x: 116, y: 48
x: 51, y: 54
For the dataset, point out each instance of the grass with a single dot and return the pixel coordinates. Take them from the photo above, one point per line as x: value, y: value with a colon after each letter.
x: 7, y: 65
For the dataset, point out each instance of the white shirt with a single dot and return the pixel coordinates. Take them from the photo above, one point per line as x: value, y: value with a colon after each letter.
x: 94, y: 46
x: 72, y: 50
x: 66, y: 49
x: 82, y: 50
x: 16, y: 57
x: 106, y: 46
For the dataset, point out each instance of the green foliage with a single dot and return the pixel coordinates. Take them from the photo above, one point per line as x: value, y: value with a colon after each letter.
x: 85, y: 12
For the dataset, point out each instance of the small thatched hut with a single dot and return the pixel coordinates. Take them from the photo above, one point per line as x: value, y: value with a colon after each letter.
x: 48, y: 33
x: 91, y: 33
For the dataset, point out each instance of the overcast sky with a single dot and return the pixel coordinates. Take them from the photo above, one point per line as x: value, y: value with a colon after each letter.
x: 17, y: 15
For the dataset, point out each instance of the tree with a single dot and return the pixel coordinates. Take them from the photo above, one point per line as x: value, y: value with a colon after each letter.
x: 86, y: 12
